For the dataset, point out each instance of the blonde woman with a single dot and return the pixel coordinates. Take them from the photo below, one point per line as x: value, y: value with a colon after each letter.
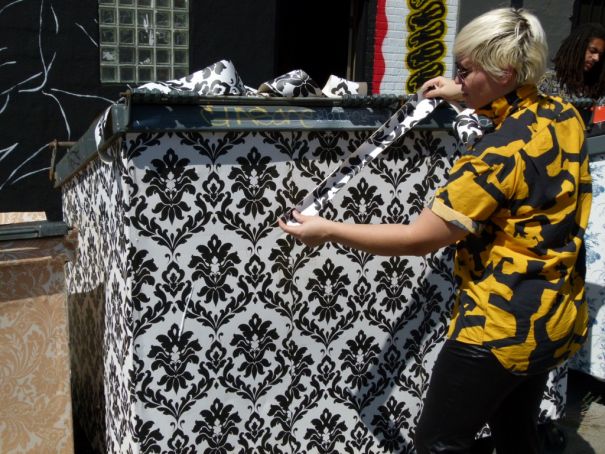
x: 516, y: 207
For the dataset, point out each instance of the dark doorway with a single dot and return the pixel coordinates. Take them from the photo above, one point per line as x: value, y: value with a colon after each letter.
x: 588, y: 11
x: 313, y: 35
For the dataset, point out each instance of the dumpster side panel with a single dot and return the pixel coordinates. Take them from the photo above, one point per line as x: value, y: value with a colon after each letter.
x: 591, y: 358
x: 247, y: 340
x: 100, y: 307
x: 36, y: 409
x: 220, y: 333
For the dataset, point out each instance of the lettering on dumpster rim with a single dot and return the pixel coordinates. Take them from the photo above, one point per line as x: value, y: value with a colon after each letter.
x: 245, y: 116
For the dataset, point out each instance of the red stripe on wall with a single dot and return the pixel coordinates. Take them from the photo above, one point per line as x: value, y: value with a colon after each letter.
x: 382, y: 26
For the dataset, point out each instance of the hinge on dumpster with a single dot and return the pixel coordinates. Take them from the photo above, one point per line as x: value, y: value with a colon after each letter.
x: 54, y: 145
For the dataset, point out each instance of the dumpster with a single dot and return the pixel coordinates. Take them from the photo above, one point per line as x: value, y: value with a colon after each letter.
x: 199, y: 326
x: 36, y: 411
x: 591, y: 358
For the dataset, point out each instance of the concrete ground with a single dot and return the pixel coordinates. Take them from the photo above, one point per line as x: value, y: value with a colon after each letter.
x: 581, y: 430
x: 583, y: 426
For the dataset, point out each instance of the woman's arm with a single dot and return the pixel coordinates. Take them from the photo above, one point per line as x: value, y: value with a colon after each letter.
x: 426, y: 234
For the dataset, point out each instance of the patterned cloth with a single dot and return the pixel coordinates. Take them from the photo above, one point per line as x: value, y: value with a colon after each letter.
x: 591, y: 358
x: 549, y: 85
x: 408, y: 116
x: 524, y: 193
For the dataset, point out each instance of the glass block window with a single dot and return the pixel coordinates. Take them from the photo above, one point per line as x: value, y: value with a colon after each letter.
x: 143, y: 40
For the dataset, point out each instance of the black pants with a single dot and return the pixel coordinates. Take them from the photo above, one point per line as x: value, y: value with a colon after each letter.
x: 468, y: 388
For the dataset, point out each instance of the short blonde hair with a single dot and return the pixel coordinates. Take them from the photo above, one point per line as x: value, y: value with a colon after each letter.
x: 505, y: 38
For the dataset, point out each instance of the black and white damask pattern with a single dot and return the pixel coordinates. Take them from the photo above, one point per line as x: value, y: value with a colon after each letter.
x: 294, y: 84
x: 100, y: 306
x: 219, y: 79
x: 219, y: 333
x: 337, y: 86
x: 402, y: 121
x: 222, y: 79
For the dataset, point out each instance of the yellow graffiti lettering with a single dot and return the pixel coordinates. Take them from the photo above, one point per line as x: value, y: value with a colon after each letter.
x: 237, y: 116
x: 427, y: 52
x: 423, y: 18
x: 426, y: 48
x: 285, y: 118
x: 223, y: 122
x: 206, y: 113
x: 260, y: 116
x: 417, y: 4
x: 427, y: 72
x: 434, y: 30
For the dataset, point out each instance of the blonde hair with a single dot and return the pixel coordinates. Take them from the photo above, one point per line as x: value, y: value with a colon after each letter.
x: 502, y: 39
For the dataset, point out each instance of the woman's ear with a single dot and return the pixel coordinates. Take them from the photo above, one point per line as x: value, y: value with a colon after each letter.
x: 508, y: 77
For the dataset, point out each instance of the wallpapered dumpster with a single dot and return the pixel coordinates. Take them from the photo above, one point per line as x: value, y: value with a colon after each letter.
x: 36, y: 410
x: 198, y: 326
x: 591, y: 358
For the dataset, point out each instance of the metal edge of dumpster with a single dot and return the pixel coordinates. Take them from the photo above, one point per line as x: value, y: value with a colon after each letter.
x: 179, y: 112
x: 86, y: 148
x: 120, y: 117
x: 33, y: 230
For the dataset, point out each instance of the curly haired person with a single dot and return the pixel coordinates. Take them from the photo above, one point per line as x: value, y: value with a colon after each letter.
x: 578, y: 65
x: 579, y: 70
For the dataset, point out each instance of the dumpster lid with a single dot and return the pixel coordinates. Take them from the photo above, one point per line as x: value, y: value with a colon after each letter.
x: 149, y: 111
x: 35, y: 229
x: 173, y: 96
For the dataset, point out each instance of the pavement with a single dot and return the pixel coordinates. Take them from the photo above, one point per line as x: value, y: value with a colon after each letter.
x: 583, y: 426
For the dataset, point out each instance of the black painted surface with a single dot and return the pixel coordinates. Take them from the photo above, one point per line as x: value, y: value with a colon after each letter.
x: 49, y: 70
x: 313, y: 35
x: 238, y: 30
x: 47, y: 50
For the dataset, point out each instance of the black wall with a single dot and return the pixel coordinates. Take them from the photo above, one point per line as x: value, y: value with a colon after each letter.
x: 238, y: 30
x: 49, y: 89
x: 49, y: 71
x: 313, y: 38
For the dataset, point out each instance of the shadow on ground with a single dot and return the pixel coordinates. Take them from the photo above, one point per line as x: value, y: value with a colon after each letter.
x: 581, y: 430
x: 583, y: 426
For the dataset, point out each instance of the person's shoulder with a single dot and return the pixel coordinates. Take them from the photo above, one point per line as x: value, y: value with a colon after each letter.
x: 553, y: 108
x: 527, y: 124
x: 549, y: 74
x: 551, y: 113
x: 506, y: 139
x: 558, y: 109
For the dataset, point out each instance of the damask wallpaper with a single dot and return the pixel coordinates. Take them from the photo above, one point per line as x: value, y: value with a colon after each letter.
x: 36, y: 411
x: 591, y: 358
x: 203, y: 328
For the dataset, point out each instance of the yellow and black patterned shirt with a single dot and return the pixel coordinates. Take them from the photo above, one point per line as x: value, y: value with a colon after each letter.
x: 523, y: 192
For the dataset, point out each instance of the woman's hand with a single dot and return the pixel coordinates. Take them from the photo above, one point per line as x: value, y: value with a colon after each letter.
x: 312, y: 230
x: 441, y: 87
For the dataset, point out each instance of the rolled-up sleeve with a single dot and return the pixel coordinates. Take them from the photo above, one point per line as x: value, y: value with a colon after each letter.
x: 474, y: 191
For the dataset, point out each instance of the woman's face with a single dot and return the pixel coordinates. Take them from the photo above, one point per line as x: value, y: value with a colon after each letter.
x: 478, y: 87
x: 594, y: 53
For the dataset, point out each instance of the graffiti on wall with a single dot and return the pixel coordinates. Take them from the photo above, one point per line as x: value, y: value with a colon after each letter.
x: 425, y: 44
x: 42, y: 98
x: 411, y: 42
x: 382, y: 25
